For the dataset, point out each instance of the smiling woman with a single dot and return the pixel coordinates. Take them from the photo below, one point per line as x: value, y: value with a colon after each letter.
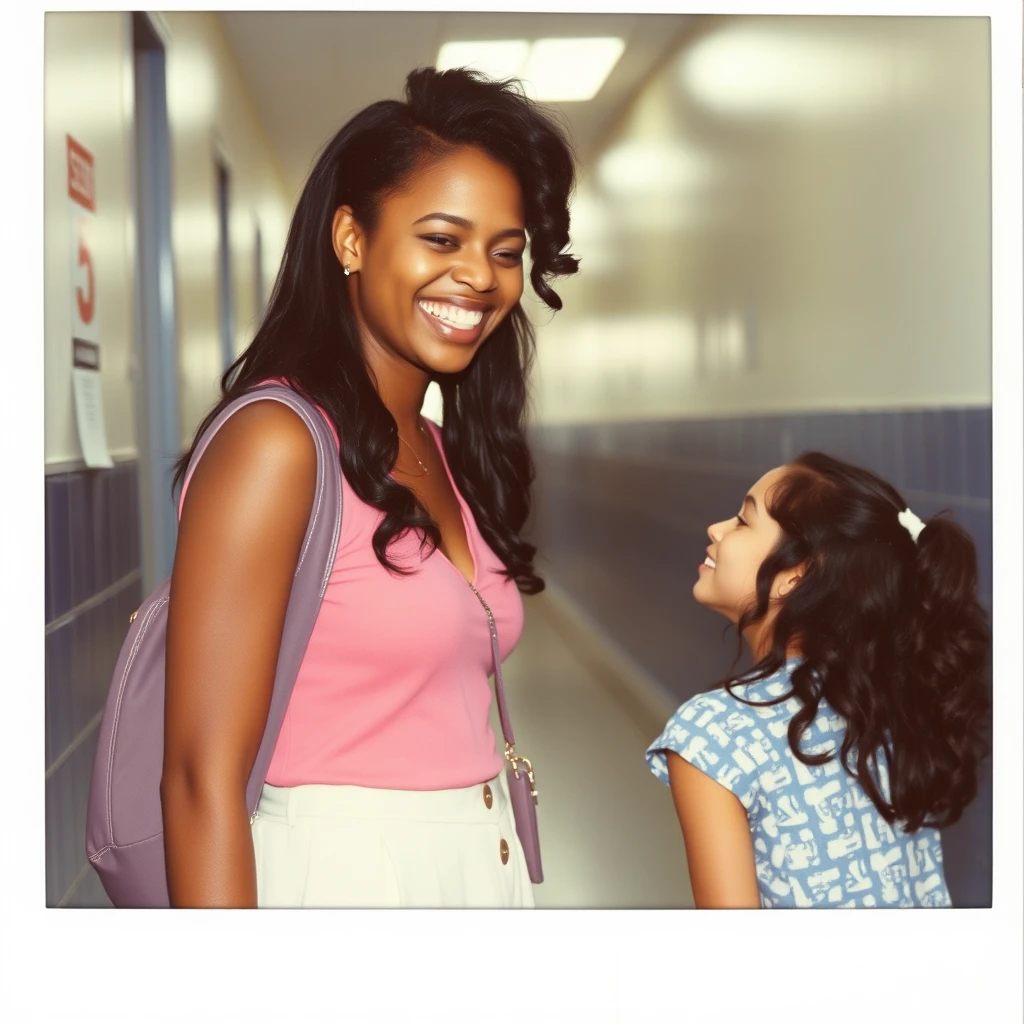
x: 403, y: 266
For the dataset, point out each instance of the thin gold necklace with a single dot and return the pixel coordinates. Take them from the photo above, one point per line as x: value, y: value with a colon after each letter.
x: 413, y: 450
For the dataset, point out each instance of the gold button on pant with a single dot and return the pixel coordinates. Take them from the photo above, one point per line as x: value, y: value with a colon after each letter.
x: 488, y: 797
x: 503, y: 847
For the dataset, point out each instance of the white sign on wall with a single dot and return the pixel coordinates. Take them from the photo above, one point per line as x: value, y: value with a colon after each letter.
x: 85, y: 337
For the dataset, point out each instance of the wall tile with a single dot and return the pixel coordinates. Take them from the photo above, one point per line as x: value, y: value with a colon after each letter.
x: 83, y: 666
x: 891, y: 447
x: 704, y: 441
x: 129, y: 512
x: 59, y: 725
x: 760, y: 444
x: 111, y: 638
x: 110, y: 526
x: 118, y: 523
x: 813, y: 434
x: 818, y: 428
x: 978, y: 523
x: 49, y: 726
x: 730, y: 432
x: 747, y: 445
x: 807, y: 430
x: 915, y: 462
x: 58, y: 548
x: 83, y: 549
x: 101, y: 534
x: 772, y: 440
x: 873, y: 444
x: 133, y: 504
x: 81, y: 775
x: 854, y: 442
x: 93, y: 675
x: 813, y: 431
x: 68, y: 857
x: 124, y: 605
x: 67, y: 792
x: 933, y: 451
x: 126, y: 520
x: 978, y: 454
x: 134, y: 592
x: 954, y: 433
x: 53, y: 833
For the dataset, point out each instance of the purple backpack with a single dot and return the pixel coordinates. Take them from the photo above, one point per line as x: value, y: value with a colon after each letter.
x: 124, y: 823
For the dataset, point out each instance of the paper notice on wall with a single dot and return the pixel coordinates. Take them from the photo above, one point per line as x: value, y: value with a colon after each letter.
x: 92, y: 430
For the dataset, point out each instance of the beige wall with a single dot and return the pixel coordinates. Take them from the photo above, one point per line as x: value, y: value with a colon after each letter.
x: 794, y: 214
x: 89, y: 93
x: 212, y: 115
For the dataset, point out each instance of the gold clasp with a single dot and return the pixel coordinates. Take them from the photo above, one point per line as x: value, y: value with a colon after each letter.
x: 515, y: 760
x: 133, y: 616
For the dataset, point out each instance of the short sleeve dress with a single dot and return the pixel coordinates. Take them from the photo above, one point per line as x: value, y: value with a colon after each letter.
x: 818, y: 839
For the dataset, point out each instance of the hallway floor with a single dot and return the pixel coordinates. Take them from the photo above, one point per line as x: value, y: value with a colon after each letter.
x: 609, y: 833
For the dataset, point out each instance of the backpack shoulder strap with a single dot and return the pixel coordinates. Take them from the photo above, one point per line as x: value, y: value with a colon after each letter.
x: 316, y: 559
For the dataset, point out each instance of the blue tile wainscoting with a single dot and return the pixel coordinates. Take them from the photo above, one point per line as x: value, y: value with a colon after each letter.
x: 620, y: 518
x: 93, y: 584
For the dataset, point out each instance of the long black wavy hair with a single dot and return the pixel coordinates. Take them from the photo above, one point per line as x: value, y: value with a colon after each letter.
x: 309, y: 336
x: 891, y: 635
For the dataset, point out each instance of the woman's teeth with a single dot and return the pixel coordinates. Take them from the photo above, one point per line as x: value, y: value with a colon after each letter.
x: 453, y: 314
x: 709, y: 562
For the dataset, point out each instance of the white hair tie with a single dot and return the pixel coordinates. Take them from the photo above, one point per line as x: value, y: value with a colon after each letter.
x: 911, y: 523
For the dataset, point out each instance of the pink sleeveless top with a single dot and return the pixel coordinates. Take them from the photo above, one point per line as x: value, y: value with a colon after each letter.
x: 393, y: 692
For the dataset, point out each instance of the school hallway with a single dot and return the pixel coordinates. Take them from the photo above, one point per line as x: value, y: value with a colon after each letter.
x: 709, y: 336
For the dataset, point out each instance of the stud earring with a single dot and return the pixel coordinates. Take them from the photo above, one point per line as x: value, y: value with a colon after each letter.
x: 347, y: 270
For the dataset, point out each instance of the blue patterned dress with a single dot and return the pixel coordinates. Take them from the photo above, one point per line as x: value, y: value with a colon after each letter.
x: 818, y: 839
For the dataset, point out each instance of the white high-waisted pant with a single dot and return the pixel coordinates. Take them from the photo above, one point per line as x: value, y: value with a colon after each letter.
x: 348, y: 846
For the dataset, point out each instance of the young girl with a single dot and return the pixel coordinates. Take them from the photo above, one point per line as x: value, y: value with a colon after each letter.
x: 820, y: 777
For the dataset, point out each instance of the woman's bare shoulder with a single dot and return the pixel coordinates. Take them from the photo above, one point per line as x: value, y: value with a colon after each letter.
x: 263, y: 452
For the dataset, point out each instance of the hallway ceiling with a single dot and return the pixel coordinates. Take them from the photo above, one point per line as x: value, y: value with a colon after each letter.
x: 308, y: 72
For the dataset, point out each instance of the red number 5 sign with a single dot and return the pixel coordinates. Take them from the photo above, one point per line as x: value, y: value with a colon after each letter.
x: 82, y: 196
x: 85, y: 298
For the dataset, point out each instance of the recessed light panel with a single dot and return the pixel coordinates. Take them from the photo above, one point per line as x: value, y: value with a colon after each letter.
x: 652, y: 167
x: 497, y: 58
x: 567, y: 70
x: 552, y: 70
x: 756, y: 71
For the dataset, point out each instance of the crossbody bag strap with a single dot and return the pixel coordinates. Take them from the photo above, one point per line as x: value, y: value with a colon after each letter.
x: 499, y: 687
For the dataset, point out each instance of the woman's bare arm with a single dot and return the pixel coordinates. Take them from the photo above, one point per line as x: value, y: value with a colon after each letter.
x: 719, y: 850
x: 242, y: 525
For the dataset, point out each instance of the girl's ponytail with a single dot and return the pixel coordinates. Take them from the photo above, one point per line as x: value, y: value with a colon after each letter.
x: 948, y: 647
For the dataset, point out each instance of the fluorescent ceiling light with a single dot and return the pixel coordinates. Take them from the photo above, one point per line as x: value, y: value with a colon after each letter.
x: 552, y: 70
x: 497, y: 58
x: 567, y: 70
x: 640, y: 168
x: 756, y: 71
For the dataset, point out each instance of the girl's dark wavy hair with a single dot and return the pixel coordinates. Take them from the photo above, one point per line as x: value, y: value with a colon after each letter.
x: 891, y: 635
x: 309, y: 337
